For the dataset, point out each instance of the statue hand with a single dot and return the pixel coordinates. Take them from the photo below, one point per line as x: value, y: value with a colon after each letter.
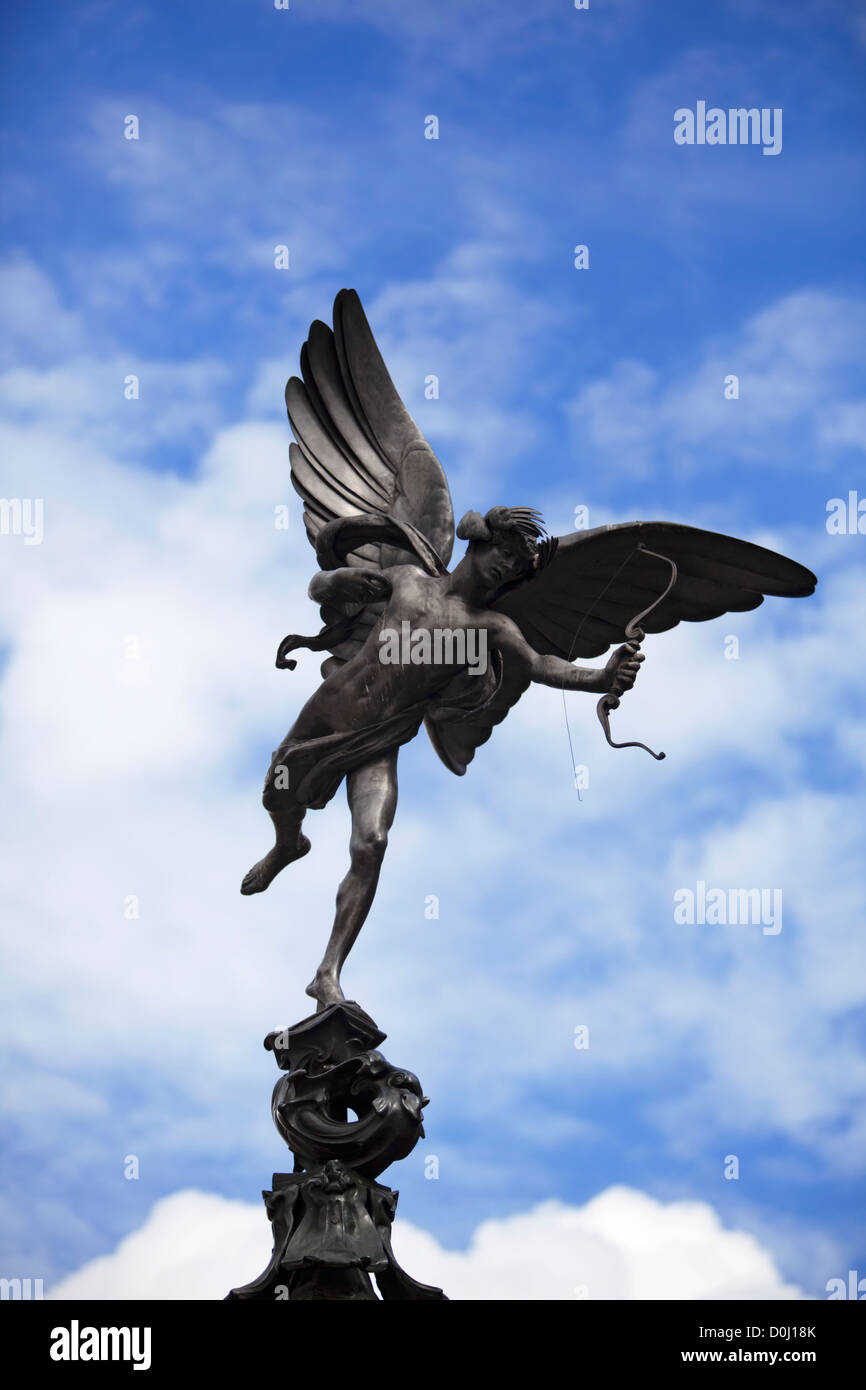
x: 359, y: 586
x: 622, y: 668
x: 349, y: 587
x: 373, y: 587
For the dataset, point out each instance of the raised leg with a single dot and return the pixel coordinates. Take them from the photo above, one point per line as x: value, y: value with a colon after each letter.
x: 372, y: 793
x: 287, y: 817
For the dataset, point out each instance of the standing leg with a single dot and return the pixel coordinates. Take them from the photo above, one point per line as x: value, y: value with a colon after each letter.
x: 372, y: 792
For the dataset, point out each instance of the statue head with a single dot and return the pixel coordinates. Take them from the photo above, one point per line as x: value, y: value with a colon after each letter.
x: 506, y: 546
x: 334, y: 1177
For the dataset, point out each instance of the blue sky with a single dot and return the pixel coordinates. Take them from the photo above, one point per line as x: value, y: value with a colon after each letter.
x: 138, y: 699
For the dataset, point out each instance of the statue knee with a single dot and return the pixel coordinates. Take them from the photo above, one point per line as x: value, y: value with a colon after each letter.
x: 278, y: 801
x: 368, y: 846
x: 277, y: 795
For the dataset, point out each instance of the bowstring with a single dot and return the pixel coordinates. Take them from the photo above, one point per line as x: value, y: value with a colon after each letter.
x: 585, y: 619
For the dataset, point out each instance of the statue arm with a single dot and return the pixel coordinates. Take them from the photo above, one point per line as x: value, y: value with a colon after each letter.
x: 617, y: 676
x: 552, y: 670
x: 349, y: 587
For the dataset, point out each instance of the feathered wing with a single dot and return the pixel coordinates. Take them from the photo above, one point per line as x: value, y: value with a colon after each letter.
x: 580, y: 603
x: 597, y: 580
x: 359, y: 452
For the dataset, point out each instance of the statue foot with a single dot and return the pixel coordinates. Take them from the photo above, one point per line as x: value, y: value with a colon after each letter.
x: 263, y: 873
x: 325, y: 989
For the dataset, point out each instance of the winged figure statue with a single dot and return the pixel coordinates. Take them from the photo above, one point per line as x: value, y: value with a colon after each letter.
x: 413, y: 642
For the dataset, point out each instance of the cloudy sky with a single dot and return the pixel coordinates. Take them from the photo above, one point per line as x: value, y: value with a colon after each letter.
x: 140, y: 616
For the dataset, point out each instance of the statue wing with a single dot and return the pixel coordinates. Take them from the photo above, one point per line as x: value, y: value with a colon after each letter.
x: 456, y: 729
x: 578, y: 605
x: 374, y: 492
x: 358, y: 449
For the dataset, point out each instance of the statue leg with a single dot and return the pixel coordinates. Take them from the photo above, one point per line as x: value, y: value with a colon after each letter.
x: 287, y: 816
x: 372, y: 793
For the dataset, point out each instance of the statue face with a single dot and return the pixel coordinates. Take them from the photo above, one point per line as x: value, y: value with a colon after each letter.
x: 334, y: 1177
x: 499, y: 561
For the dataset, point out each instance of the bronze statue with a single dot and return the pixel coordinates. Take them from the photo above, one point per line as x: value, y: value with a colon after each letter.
x: 412, y: 643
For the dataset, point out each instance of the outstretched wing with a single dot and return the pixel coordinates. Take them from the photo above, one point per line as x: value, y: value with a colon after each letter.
x: 579, y: 604
x: 358, y: 449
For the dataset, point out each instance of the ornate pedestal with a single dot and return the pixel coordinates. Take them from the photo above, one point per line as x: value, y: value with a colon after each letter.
x: 331, y: 1220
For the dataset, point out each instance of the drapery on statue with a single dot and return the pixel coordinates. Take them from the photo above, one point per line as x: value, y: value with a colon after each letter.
x: 378, y: 512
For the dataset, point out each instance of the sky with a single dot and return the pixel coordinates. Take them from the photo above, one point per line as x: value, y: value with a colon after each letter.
x: 146, y: 584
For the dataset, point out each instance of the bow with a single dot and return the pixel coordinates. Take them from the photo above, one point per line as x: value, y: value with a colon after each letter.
x: 634, y: 633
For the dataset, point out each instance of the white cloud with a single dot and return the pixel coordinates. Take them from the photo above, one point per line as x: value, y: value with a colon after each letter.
x: 622, y: 1244
x: 800, y: 395
x: 177, y: 402
x: 440, y: 29
x: 33, y: 320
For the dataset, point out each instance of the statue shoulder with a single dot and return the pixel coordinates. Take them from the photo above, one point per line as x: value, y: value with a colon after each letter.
x: 412, y: 576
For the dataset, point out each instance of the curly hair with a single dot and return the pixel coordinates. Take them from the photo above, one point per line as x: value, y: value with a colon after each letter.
x: 523, y: 524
